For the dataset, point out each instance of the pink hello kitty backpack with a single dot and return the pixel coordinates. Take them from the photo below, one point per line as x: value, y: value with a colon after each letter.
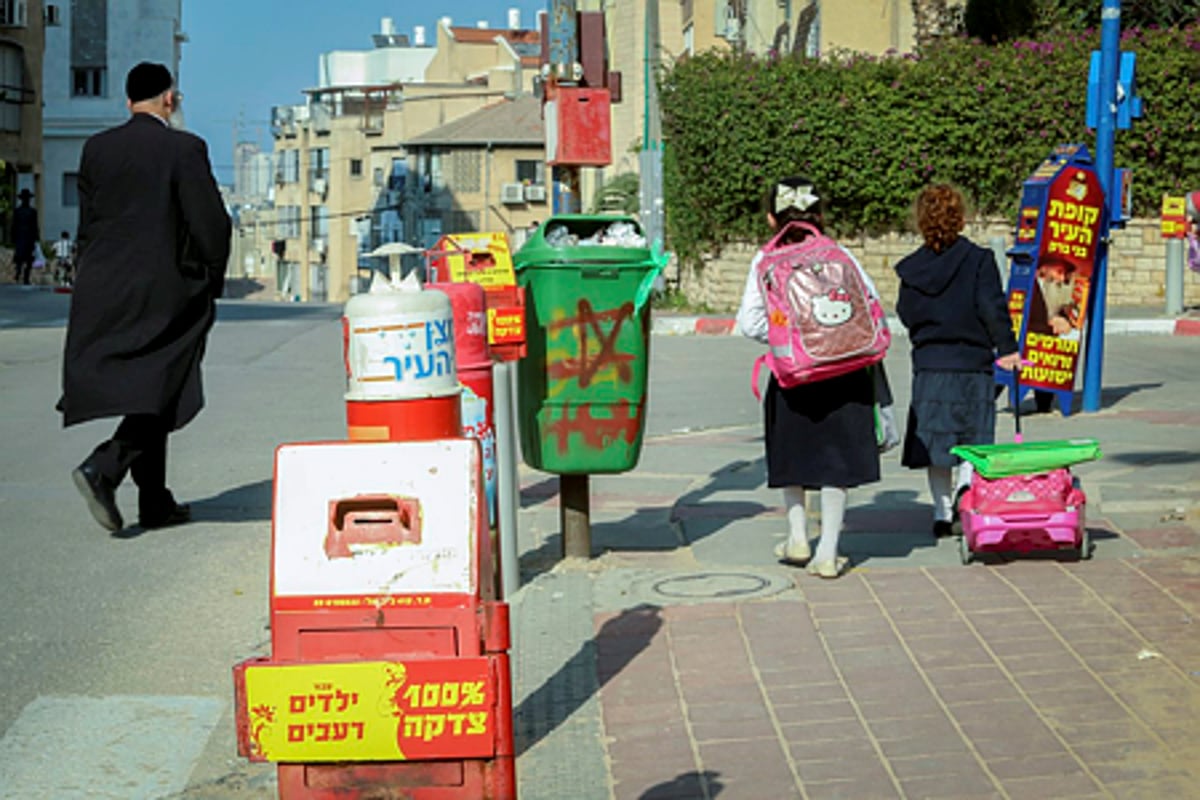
x: 821, y: 319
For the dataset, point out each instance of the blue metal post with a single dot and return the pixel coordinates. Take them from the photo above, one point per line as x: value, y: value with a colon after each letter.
x: 1110, y: 44
x: 564, y: 52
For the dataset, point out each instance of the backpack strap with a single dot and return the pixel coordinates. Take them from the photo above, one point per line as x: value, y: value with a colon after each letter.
x: 758, y: 364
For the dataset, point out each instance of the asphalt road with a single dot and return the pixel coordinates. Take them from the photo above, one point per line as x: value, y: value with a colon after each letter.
x: 115, y: 650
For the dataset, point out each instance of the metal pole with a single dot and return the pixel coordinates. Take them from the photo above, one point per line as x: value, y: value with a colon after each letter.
x: 508, y: 486
x: 575, y: 514
x: 573, y: 505
x: 1110, y: 43
x: 1174, y: 276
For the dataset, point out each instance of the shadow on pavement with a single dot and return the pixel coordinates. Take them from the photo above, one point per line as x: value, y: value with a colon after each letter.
x: 539, y: 492
x: 596, y: 662
x: 892, y: 525
x: 249, y: 503
x: 655, y: 528
x: 698, y: 516
x: 1156, y: 458
x: 687, y: 784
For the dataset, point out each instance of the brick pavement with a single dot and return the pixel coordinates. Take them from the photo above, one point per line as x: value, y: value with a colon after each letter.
x: 911, y: 677
x: 1033, y: 679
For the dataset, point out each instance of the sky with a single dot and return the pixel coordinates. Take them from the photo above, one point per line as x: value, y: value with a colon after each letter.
x: 244, y: 56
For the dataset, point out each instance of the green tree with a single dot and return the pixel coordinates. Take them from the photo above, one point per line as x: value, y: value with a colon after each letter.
x: 620, y: 194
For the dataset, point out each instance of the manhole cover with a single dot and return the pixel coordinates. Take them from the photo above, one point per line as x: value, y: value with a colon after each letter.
x: 713, y: 585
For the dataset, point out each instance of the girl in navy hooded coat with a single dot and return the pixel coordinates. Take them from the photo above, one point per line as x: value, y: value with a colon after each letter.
x: 953, y: 306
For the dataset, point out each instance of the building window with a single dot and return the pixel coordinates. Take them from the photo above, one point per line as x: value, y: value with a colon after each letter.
x: 88, y: 82
x: 12, y: 76
x: 287, y: 222
x: 319, y: 220
x: 531, y: 172
x: 318, y: 163
x: 466, y: 168
x: 288, y: 170
x: 431, y: 170
x: 89, y: 48
x: 356, y: 168
x: 13, y: 13
x: 70, y: 189
x: 398, y: 179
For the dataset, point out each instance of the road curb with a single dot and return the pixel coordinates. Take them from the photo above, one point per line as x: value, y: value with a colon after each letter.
x: 726, y: 326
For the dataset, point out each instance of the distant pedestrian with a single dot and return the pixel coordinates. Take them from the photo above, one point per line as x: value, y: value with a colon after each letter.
x: 25, y: 237
x: 152, y: 250
x: 952, y: 303
x: 64, y: 259
x: 818, y: 435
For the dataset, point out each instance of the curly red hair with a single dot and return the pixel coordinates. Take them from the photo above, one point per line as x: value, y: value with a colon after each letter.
x: 941, y: 215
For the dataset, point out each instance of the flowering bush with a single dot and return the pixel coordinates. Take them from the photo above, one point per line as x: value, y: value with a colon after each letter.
x: 872, y: 131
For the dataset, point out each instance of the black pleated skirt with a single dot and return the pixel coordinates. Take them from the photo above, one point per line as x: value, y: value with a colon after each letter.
x: 821, y: 434
x: 948, y: 409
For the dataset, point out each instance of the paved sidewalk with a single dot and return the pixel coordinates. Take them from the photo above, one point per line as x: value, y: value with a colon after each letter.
x: 683, y: 662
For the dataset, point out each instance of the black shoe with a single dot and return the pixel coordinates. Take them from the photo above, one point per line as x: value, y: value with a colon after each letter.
x: 177, y: 514
x: 100, y: 496
x: 942, y: 529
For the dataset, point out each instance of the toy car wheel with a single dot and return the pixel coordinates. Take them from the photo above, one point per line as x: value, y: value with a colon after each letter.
x: 964, y: 549
x: 1085, y: 545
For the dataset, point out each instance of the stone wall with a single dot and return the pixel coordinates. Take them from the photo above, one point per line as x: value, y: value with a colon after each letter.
x: 1136, y: 269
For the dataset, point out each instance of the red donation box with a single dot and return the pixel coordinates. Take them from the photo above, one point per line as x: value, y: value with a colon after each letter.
x: 578, y: 127
x: 389, y: 671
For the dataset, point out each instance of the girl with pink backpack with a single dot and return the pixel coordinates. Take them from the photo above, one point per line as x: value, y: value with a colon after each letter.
x: 819, y: 410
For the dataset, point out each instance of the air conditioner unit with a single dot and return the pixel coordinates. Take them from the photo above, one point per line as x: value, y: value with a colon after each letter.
x: 320, y: 186
x: 319, y: 245
x: 535, y: 193
x: 512, y: 193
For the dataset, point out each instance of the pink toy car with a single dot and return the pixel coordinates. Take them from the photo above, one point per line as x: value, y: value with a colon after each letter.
x: 1023, y: 513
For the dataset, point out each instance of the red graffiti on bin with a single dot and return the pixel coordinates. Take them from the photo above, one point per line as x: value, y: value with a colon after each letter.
x: 597, y: 432
x: 587, y: 365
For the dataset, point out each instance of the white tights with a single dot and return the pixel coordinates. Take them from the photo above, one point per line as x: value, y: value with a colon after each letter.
x: 833, y: 512
x: 940, y: 482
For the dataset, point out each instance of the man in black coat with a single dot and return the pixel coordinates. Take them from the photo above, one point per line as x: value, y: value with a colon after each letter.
x: 25, y: 235
x: 152, y: 247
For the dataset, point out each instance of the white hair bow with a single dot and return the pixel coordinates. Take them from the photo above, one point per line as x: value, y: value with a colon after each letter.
x: 798, y: 197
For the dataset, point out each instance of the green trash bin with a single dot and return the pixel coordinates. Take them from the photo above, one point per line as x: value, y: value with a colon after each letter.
x: 581, y: 388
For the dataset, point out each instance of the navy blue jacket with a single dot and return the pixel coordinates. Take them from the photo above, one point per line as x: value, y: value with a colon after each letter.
x: 954, y: 308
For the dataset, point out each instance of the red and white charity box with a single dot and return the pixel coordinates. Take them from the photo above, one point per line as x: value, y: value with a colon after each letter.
x: 389, y: 671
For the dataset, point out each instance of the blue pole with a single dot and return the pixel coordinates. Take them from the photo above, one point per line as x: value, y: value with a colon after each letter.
x: 564, y: 52
x: 1110, y: 44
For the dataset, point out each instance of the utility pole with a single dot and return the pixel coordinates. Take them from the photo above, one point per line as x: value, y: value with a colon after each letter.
x: 575, y: 517
x: 650, y: 191
x: 564, y: 64
x: 1106, y: 108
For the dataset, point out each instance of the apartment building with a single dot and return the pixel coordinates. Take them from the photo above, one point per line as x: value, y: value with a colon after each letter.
x: 89, y: 49
x: 804, y: 27
x: 344, y: 181
x: 22, y: 31
x: 484, y: 171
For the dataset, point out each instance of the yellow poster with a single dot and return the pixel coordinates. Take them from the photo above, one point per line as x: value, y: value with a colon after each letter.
x: 371, y: 710
x: 482, y: 258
